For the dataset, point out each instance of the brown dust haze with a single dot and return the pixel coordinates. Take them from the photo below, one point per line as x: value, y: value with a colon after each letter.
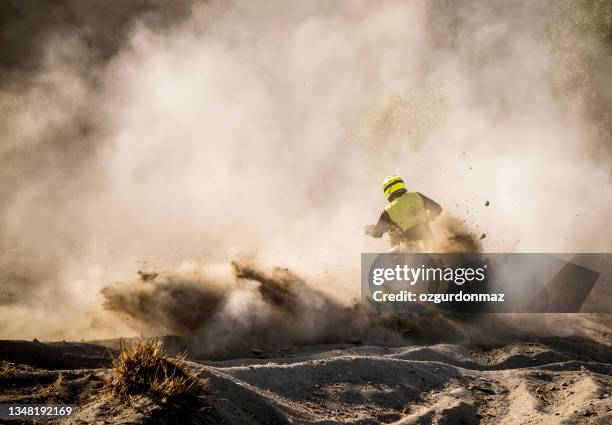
x: 175, y: 137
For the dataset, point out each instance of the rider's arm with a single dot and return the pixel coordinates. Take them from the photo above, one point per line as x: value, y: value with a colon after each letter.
x: 384, y: 225
x: 433, y: 208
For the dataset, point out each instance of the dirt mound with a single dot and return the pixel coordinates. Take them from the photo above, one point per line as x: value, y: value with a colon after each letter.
x: 542, y: 382
x: 56, y: 355
x: 405, y: 385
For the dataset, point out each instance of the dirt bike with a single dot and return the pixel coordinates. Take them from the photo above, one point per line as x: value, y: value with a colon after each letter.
x: 422, y: 241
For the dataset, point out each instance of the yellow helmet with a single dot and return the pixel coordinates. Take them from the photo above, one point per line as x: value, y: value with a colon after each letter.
x: 392, y: 184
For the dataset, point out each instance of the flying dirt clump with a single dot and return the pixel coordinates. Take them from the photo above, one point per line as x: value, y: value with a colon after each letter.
x: 453, y: 235
x: 278, y: 289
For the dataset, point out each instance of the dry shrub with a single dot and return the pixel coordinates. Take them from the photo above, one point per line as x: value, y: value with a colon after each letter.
x: 143, y: 368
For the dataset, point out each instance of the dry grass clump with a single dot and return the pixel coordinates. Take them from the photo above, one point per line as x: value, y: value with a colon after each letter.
x: 143, y: 368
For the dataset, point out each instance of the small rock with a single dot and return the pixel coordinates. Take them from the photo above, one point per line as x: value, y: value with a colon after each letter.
x: 482, y: 389
x: 487, y: 204
x: 484, y: 235
x: 146, y: 277
x: 258, y: 352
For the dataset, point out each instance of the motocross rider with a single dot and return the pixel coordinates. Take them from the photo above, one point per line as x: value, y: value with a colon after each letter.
x: 406, y: 217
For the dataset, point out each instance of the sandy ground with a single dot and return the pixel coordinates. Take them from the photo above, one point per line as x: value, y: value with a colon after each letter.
x: 540, y: 381
x: 494, y: 371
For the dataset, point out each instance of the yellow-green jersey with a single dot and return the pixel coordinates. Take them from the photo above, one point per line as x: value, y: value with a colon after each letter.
x: 405, y: 214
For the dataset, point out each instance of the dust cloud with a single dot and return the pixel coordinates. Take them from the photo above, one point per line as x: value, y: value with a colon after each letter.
x: 136, y: 138
x: 219, y: 310
x: 223, y: 310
